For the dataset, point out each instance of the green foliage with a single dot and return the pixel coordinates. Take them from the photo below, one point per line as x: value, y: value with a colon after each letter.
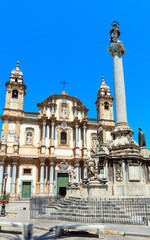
x: 6, y: 197
x: 124, y: 234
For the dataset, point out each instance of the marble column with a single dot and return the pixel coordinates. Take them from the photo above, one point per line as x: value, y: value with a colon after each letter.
x: 117, y: 50
x: 77, y: 175
x: 42, y: 164
x: 51, y: 178
x: 1, y: 176
x: 13, y: 183
x: 77, y: 135
x: 85, y: 174
x: 43, y: 133
x: 52, y: 133
x: 84, y: 137
x: 47, y: 137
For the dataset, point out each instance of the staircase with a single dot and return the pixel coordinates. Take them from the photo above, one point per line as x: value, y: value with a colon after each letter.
x: 128, y: 210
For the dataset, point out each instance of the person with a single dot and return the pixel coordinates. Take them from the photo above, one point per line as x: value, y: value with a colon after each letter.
x: 141, y: 137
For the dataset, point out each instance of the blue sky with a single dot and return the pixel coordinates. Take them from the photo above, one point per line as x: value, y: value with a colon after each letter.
x: 68, y: 39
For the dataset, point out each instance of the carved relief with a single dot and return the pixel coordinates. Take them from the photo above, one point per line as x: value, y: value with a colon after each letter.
x: 118, y: 172
x: 63, y: 166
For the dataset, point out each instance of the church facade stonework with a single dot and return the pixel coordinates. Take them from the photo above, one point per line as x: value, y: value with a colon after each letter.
x: 60, y: 151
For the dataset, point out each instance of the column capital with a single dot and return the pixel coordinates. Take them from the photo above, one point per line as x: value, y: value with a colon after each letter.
x: 116, y: 49
x: 51, y: 163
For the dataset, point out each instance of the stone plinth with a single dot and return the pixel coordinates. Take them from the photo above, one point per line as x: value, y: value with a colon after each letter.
x: 84, y: 191
x: 145, y: 152
x: 73, y: 191
x: 96, y: 190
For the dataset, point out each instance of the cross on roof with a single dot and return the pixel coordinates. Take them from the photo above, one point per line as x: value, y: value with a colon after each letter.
x: 64, y: 82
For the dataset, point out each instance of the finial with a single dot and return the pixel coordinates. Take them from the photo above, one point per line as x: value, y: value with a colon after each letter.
x: 103, y: 80
x: 17, y: 66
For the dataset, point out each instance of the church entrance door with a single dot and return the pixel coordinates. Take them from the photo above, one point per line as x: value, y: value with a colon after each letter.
x: 26, y: 189
x: 62, y: 183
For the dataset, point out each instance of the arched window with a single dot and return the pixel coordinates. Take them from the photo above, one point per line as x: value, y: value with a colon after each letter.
x: 29, y: 137
x: 106, y: 105
x: 63, y: 138
x: 64, y: 110
x: 15, y: 94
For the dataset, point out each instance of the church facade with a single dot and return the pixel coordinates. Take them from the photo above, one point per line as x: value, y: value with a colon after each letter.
x: 39, y: 150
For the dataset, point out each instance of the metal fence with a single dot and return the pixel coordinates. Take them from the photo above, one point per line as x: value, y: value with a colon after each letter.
x: 122, y: 211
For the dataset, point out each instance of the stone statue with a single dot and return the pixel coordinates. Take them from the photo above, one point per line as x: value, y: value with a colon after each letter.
x: 114, y: 32
x: 16, y: 139
x: 142, y: 141
x: 4, y: 139
x: 100, y: 134
x: 91, y: 169
x: 72, y: 175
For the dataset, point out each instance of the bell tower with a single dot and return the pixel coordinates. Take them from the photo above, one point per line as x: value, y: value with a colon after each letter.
x: 104, y: 102
x: 15, y: 92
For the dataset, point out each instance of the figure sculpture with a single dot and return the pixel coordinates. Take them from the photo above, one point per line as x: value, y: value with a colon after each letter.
x: 91, y: 167
x: 114, y: 32
x: 141, y: 136
x: 72, y: 175
x: 4, y: 139
x: 16, y: 139
x: 100, y: 134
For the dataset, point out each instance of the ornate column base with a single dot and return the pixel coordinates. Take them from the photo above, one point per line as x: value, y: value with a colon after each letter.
x: 96, y: 190
x: 73, y: 191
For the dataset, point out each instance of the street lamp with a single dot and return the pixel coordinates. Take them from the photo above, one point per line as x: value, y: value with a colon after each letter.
x: 3, y: 212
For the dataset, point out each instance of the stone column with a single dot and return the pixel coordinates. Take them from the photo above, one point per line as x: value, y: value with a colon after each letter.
x: 42, y: 164
x: 13, y: 183
x: 85, y: 174
x: 52, y: 133
x: 51, y: 177
x: 117, y: 50
x: 84, y: 137
x: 43, y: 133
x: 1, y: 176
x: 48, y: 128
x: 77, y: 175
x: 77, y: 135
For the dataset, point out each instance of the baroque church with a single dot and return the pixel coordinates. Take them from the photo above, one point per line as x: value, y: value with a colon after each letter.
x: 60, y: 151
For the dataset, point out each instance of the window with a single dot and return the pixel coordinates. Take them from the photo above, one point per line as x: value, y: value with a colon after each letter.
x: 63, y: 138
x: 15, y: 94
x: 105, y: 93
x: 15, y: 79
x: 106, y: 105
x: 29, y: 137
x: 64, y: 110
x: 27, y: 171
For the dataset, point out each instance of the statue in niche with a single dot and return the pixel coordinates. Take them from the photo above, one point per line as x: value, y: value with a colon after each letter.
x: 4, y: 139
x: 141, y: 137
x: 100, y: 134
x: 94, y: 142
x: 114, y: 32
x: 29, y: 138
x: 16, y: 139
x: 72, y: 175
x: 64, y: 110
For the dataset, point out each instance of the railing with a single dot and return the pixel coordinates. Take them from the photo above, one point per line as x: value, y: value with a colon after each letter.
x: 30, y: 114
x: 122, y: 211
